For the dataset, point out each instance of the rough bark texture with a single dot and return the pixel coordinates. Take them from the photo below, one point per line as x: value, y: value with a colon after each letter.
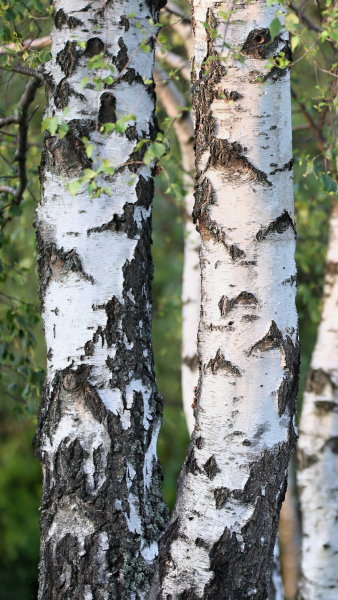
x: 191, y: 286
x: 317, y: 473
x: 220, y: 542
x: 102, y: 509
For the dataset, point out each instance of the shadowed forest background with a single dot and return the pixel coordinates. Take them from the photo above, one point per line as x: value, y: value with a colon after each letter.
x: 21, y: 328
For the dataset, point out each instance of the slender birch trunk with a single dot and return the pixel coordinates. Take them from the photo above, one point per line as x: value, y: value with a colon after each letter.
x: 171, y: 100
x: 220, y: 541
x: 102, y: 509
x: 290, y: 540
x: 318, y: 446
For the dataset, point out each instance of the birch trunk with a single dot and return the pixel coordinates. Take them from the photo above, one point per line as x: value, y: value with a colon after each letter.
x: 102, y: 509
x: 220, y: 541
x: 290, y: 540
x: 171, y: 100
x: 318, y: 446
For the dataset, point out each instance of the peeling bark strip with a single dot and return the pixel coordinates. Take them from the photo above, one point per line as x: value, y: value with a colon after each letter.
x: 318, y: 446
x: 102, y: 508
x: 221, y: 541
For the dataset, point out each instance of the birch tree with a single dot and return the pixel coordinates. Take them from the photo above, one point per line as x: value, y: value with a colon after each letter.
x: 222, y: 532
x: 317, y: 447
x: 102, y: 509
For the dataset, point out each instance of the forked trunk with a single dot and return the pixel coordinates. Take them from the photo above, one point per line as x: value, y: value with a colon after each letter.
x: 102, y: 508
x: 221, y: 538
x: 318, y: 446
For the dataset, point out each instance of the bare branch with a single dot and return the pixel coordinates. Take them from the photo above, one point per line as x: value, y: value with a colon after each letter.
x: 172, y: 8
x: 304, y: 18
x: 28, y: 45
x: 6, y: 189
x: 172, y: 100
x: 174, y: 61
x: 310, y: 120
x: 25, y: 71
x: 8, y: 120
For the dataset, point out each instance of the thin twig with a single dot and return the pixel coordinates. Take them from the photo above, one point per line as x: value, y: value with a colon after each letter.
x: 25, y: 71
x: 310, y: 120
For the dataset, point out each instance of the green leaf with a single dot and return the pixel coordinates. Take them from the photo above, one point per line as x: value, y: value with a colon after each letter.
x: 50, y: 124
x: 295, y: 41
x: 90, y: 150
x: 73, y: 187
x: 275, y: 28
x: 291, y: 23
x: 329, y: 184
x: 63, y: 130
x: 156, y: 150
x: 84, y: 82
x: 45, y: 56
x: 88, y: 174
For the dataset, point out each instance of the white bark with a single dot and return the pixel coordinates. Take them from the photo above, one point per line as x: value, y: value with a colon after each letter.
x: 318, y: 446
x: 234, y: 478
x: 100, y: 415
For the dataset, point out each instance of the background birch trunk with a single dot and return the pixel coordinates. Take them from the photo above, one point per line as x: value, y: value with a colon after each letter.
x: 317, y: 473
x: 222, y: 533
x: 171, y: 99
x: 102, y: 509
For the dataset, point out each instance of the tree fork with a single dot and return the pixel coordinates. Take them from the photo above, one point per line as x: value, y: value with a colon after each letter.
x: 102, y: 509
x: 219, y: 544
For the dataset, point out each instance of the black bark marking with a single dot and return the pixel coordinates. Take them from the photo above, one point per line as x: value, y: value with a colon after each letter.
x: 243, y: 299
x: 233, y: 95
x: 191, y: 362
x: 230, y: 157
x: 73, y: 23
x: 66, y: 157
x: 239, y: 567
x: 331, y: 268
x: 122, y: 57
x: 317, y: 380
x: 249, y: 318
x: 332, y: 443
x: 211, y: 469
x: 220, y: 364
x: 325, y: 406
x: 276, y: 74
x: 273, y: 339
x: 60, y: 19
x: 94, y: 47
x: 279, y: 225
x: 283, y: 395
x: 107, y: 112
x: 187, y: 595
x: 221, y: 496
x: 68, y: 58
x: 191, y: 465
x: 62, y: 94
x: 304, y: 461
x: 256, y: 44
x: 287, y: 167
x: 204, y: 197
x: 290, y: 280
x: 201, y: 543
x: 124, y: 21
x: 171, y: 533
